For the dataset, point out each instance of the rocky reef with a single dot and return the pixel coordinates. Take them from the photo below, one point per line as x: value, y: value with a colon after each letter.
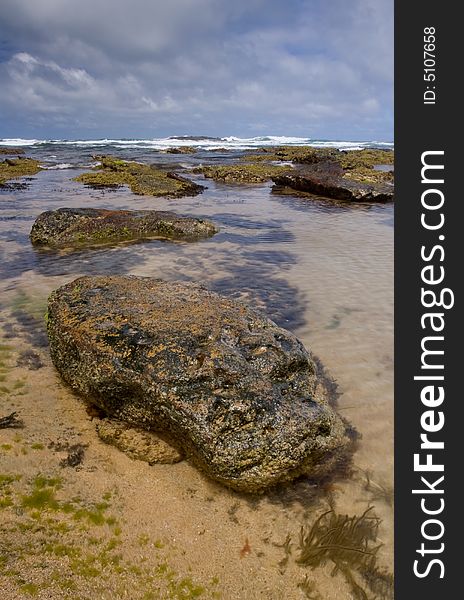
x: 142, y: 179
x: 297, y: 154
x: 330, y: 173
x: 11, y: 151
x: 14, y: 168
x: 239, y: 395
x: 91, y: 226
x: 338, y: 175
x: 241, y: 173
x: 180, y: 150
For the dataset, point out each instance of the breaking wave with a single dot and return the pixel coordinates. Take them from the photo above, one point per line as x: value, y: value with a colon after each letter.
x: 202, y: 142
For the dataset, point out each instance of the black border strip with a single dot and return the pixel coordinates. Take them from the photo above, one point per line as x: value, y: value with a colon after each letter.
x: 420, y: 128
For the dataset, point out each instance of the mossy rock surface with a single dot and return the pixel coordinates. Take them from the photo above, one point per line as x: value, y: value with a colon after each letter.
x: 240, y: 395
x: 13, y: 168
x: 354, y: 165
x: 181, y: 150
x: 369, y: 175
x: 241, y: 173
x: 142, y: 179
x: 67, y: 227
x: 367, y: 158
x: 296, y: 154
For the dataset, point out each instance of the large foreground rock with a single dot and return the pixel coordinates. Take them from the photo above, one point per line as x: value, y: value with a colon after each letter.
x: 90, y: 226
x: 237, y: 393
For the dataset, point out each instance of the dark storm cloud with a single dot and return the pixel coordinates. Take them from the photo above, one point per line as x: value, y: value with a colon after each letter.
x: 148, y: 68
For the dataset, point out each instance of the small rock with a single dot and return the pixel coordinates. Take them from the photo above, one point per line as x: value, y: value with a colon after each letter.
x: 137, y: 443
x: 29, y: 359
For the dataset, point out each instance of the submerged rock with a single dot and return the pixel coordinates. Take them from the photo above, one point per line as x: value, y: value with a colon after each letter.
x: 90, y: 226
x: 13, y: 168
x: 142, y: 179
x: 240, y: 395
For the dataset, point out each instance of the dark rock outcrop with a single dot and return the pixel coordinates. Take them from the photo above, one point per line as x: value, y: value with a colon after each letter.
x: 180, y: 150
x: 11, y: 151
x: 240, y: 395
x: 91, y: 226
x: 327, y: 181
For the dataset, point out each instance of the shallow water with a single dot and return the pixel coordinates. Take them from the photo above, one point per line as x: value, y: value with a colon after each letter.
x: 321, y: 270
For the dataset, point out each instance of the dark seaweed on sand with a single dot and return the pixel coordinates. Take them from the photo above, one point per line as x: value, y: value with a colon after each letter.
x: 349, y: 543
x: 309, y: 589
x: 377, y: 490
x: 11, y: 420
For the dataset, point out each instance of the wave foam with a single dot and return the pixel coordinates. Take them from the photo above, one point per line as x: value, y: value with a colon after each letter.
x: 201, y: 142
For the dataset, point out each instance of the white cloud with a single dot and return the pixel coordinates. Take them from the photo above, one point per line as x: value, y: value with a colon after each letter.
x: 304, y: 67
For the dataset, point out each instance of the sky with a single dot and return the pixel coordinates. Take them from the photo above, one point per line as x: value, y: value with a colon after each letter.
x: 152, y: 68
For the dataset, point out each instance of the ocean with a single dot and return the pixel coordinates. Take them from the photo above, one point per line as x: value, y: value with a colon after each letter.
x: 320, y: 269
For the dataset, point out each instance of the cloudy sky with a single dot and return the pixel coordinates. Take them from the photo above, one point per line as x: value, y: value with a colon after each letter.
x: 151, y: 68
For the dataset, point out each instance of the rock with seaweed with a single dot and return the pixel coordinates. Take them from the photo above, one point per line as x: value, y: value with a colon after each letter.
x: 237, y: 393
x: 367, y: 158
x: 67, y: 227
x: 141, y: 178
x: 350, y: 544
x: 241, y: 173
x: 11, y: 151
x: 180, y: 150
x: 360, y: 166
x: 331, y: 173
x: 14, y: 168
x: 297, y: 154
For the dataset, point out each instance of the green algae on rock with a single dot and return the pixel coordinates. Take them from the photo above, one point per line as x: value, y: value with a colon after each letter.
x: 368, y: 157
x: 142, y: 179
x: 241, y: 173
x: 67, y: 227
x: 13, y: 168
x: 180, y: 150
x: 240, y: 395
x: 296, y: 154
x: 356, y: 165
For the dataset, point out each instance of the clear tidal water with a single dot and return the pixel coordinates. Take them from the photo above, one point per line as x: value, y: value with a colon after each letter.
x: 322, y: 270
